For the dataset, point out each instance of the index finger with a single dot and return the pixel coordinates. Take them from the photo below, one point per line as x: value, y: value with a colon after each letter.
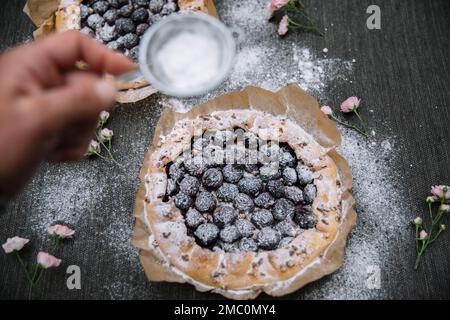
x: 68, y: 47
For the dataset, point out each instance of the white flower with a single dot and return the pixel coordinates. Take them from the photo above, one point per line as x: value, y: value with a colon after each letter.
x: 418, y: 221
x: 105, y: 135
x: 103, y: 117
x: 94, y: 148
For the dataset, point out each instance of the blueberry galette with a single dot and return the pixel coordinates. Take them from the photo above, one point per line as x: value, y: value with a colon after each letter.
x: 120, y: 24
x: 241, y: 202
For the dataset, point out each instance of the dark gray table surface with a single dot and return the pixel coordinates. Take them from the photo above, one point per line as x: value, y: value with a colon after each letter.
x: 402, y: 73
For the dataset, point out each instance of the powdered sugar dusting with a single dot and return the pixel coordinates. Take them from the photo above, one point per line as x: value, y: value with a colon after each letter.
x: 380, y: 218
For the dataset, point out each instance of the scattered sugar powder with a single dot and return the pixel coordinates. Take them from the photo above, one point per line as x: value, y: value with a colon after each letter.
x: 381, y: 219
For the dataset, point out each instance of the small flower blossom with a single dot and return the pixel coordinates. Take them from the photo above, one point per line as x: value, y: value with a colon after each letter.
x: 283, y: 26
x: 442, y: 227
x: 441, y: 192
x: 46, y: 260
x: 103, y: 117
x: 431, y: 199
x: 273, y: 6
x: 94, y: 148
x: 327, y: 110
x: 350, y: 104
x: 105, y: 134
x: 14, y: 244
x: 61, y: 231
x: 423, y: 234
x: 417, y: 221
x: 445, y: 207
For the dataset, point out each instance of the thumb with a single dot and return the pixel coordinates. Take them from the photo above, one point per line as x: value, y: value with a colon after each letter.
x: 83, y: 96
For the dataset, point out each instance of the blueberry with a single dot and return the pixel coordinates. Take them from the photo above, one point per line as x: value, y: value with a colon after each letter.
x: 305, y: 175
x: 156, y: 6
x: 169, y: 8
x: 245, y: 227
x: 182, y: 201
x: 141, y: 3
x: 264, y: 200
x: 189, y: 185
x: 227, y: 192
x: 283, y: 208
x: 250, y: 185
x: 194, y: 218
x: 229, y: 234
x: 88, y: 31
x: 206, y: 234
x: 289, y: 176
x: 262, y: 218
x: 224, y: 215
x: 248, y: 245
x: 95, y: 21
x: 286, y: 159
x: 305, y: 218
x: 84, y: 12
x: 268, y: 238
x: 294, y: 194
x: 251, y: 168
x: 232, y: 173
x: 141, y: 28
x: 229, y: 247
x: 270, y: 172
x: 284, y: 242
x: 126, y: 10
x: 114, y: 3
x: 125, y: 26
x: 107, y: 33
x: 154, y: 18
x: 309, y: 193
x: 139, y: 16
x: 111, y: 16
x: 276, y: 188
x: 129, y: 40
x: 286, y: 228
x: 212, y: 178
x: 205, y: 202
x: 195, y: 166
x: 114, y: 45
x: 100, y: 7
x: 172, y: 187
x: 134, y: 53
x: 244, y: 203
x: 176, y: 172
x: 269, y: 152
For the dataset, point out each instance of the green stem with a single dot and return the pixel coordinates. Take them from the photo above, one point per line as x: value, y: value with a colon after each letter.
x: 348, y: 125
x: 55, y: 240
x: 417, y: 241
x: 22, y: 265
x: 110, y: 154
x: 361, y: 120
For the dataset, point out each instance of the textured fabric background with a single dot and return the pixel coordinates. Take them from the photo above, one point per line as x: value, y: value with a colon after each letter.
x: 403, y: 69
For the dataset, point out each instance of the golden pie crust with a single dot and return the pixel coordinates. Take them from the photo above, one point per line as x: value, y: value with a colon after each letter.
x: 170, y: 254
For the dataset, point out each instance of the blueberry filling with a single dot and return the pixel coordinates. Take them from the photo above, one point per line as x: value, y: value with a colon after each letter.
x: 119, y: 24
x: 244, y: 206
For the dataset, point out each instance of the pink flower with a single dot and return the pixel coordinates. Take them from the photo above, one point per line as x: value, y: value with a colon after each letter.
x: 61, y: 231
x: 327, y: 110
x: 94, y: 148
x: 445, y: 207
x: 46, y: 260
x: 273, y: 6
x: 283, y: 26
x: 350, y: 104
x: 442, y: 192
x: 14, y: 244
x: 423, y: 234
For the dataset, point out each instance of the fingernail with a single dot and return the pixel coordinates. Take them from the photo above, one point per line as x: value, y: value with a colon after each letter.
x: 105, y: 91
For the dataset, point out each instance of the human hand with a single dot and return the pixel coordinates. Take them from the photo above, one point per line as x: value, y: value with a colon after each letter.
x: 48, y: 107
